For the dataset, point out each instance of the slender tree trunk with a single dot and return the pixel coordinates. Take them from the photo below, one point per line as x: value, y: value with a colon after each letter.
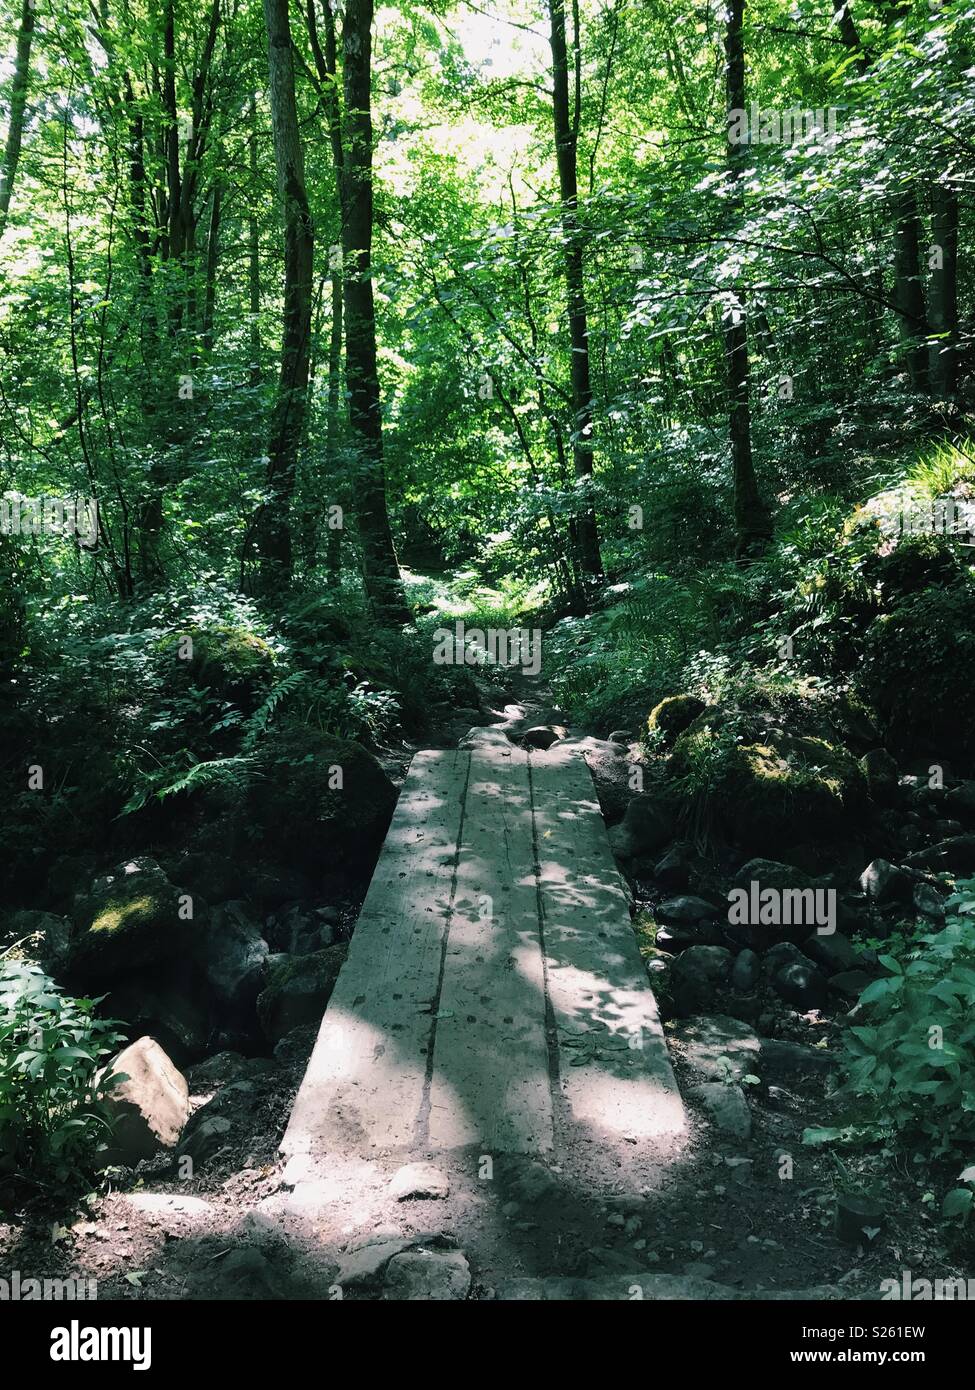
x: 908, y: 289
x: 18, y: 107
x: 943, y: 294
x: 383, y: 584
x: 273, y: 526
x: 333, y: 552
x: 254, y: 258
x: 213, y: 256
x: 566, y: 119
x: 752, y: 520
x: 326, y: 64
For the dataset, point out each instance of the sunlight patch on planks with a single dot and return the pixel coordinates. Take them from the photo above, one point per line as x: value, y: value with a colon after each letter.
x: 614, y: 1069
x: 490, y: 1066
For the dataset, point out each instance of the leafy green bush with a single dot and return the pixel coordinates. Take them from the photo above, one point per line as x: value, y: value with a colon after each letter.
x: 910, y: 1066
x: 918, y: 669
x: 51, y: 1097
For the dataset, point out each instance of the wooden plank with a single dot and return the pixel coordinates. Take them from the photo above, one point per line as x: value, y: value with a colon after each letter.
x: 615, y: 1073
x: 365, y: 1081
x: 491, y: 1084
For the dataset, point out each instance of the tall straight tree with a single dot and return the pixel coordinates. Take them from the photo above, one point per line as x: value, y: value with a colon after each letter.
x: 326, y: 65
x: 18, y: 108
x: 272, y: 528
x: 752, y: 519
x: 383, y: 584
x: 566, y: 117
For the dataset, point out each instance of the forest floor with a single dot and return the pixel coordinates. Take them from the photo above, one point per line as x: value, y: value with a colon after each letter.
x: 710, y: 1217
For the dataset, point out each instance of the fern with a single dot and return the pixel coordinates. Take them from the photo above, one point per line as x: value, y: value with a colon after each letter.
x: 206, y: 774
x: 164, y: 783
x: 256, y: 726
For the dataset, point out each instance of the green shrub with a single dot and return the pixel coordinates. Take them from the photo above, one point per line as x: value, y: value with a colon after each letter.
x: 910, y: 1065
x: 918, y: 669
x: 916, y: 563
x: 52, y: 1048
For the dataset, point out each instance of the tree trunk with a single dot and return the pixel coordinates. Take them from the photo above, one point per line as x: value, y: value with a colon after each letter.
x: 383, y: 584
x: 18, y: 107
x: 254, y: 258
x: 752, y: 520
x: 908, y: 290
x: 333, y: 552
x: 213, y: 248
x: 943, y: 294
x: 326, y: 64
x: 273, y: 529
x: 566, y: 149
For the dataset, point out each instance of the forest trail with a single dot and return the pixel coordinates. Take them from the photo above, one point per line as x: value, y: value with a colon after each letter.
x: 494, y: 998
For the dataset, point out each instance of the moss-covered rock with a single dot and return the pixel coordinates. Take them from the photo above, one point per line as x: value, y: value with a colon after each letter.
x: 768, y: 795
x: 315, y: 795
x: 673, y: 715
x: 231, y: 660
x: 129, y: 919
x: 297, y: 991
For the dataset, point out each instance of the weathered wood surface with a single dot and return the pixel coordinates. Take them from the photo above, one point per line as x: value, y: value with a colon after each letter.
x: 494, y: 995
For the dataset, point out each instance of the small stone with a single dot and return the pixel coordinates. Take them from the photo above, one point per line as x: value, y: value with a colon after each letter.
x: 884, y: 882
x: 542, y: 736
x: 929, y: 902
x: 727, y: 1107
x: 423, y: 1275
x: 746, y: 971
x: 419, y: 1181
x: 849, y: 983
x: 802, y: 985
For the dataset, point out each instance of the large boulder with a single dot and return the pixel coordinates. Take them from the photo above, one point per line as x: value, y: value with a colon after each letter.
x: 954, y: 856
x: 674, y: 869
x: 234, y: 958
x: 646, y: 827
x: 149, y: 1107
x: 315, y: 796
x: 230, y: 660
x: 131, y: 919
x: 672, y: 716
x: 696, y: 975
x: 773, y: 794
x: 171, y: 1002
x: 298, y: 990
x: 772, y: 873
